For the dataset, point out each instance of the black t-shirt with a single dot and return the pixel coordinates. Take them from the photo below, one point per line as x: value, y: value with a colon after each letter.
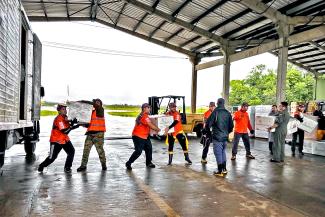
x: 321, y: 119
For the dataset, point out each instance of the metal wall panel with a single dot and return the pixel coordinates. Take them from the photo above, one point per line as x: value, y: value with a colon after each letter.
x: 29, y: 77
x: 9, y: 60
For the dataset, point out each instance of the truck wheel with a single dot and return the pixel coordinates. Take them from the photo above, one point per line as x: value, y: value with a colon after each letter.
x: 29, y: 147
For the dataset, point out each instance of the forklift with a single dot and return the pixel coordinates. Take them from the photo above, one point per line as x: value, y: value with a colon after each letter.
x: 191, y: 122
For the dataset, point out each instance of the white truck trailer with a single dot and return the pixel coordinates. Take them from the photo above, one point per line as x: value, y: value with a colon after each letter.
x: 20, y: 79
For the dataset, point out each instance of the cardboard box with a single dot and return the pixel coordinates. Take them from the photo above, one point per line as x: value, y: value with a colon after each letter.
x: 292, y: 126
x: 309, y: 124
x: 81, y: 111
x: 161, y: 121
x: 262, y: 122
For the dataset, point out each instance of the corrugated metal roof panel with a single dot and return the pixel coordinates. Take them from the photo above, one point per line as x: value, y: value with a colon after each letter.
x: 168, y: 6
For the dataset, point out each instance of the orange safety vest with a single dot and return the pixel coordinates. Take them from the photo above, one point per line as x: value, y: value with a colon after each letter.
x: 142, y: 130
x: 59, y: 123
x: 178, y: 127
x: 207, y: 115
x: 96, y: 123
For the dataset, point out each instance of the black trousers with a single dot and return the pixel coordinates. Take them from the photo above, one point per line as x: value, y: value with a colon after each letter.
x: 54, y: 152
x: 301, y: 134
x: 206, y: 144
x: 245, y: 139
x: 140, y: 145
x: 182, y: 141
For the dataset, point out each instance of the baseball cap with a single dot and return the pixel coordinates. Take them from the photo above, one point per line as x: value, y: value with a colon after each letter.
x: 245, y: 104
x: 60, y: 106
x: 212, y: 104
x: 145, y: 105
x: 172, y: 105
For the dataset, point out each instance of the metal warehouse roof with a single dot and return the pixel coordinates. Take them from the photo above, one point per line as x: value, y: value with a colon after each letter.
x: 202, y: 27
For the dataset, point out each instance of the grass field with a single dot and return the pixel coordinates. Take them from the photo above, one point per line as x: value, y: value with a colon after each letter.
x: 48, y: 113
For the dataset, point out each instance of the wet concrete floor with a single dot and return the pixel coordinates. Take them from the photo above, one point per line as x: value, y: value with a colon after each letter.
x: 251, y: 188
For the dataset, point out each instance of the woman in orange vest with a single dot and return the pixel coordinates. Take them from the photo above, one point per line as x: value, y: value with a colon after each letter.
x: 95, y: 135
x: 140, y: 137
x: 177, y: 134
x: 59, y: 139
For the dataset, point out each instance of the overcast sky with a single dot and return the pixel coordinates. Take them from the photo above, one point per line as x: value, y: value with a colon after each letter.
x: 119, y: 78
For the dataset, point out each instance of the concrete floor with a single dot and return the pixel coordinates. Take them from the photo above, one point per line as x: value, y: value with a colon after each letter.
x: 251, y: 188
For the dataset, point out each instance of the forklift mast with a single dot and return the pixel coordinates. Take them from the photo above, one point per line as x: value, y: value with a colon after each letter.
x: 155, y: 103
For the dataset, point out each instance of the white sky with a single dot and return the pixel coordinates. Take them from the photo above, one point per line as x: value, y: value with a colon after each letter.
x: 122, y: 79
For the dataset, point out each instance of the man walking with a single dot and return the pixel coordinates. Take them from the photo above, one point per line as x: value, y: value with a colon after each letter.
x: 206, y: 139
x: 280, y: 133
x: 60, y: 140
x: 95, y: 135
x: 222, y: 125
x: 242, y: 123
x: 140, y: 137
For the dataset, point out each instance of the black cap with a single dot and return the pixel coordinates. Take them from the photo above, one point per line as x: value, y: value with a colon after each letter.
x: 244, y: 104
x: 172, y: 105
x: 145, y: 105
x: 60, y: 106
x: 212, y: 104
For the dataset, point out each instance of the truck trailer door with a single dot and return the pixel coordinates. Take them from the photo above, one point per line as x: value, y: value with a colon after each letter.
x: 36, y: 103
x: 29, y: 77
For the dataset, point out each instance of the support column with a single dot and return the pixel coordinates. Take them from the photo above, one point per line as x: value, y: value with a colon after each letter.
x: 226, y: 80
x: 194, y: 61
x: 284, y: 32
x: 227, y: 51
x: 281, y: 74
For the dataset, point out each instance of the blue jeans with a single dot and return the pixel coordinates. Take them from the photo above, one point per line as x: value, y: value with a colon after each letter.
x: 219, y: 149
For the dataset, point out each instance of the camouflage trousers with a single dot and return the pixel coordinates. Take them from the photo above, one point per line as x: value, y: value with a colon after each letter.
x: 96, y: 139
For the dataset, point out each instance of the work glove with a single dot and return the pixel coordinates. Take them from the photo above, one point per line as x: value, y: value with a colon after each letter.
x: 252, y: 131
x: 75, y: 126
x: 74, y: 121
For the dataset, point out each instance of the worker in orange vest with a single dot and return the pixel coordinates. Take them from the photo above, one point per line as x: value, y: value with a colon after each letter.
x: 242, y: 123
x: 177, y: 134
x: 60, y: 140
x: 140, y: 137
x: 95, y: 135
x: 206, y: 138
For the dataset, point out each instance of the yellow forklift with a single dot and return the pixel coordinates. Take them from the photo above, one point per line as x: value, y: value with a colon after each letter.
x: 191, y: 122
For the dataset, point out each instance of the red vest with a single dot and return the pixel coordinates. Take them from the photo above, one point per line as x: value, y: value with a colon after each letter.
x: 96, y: 123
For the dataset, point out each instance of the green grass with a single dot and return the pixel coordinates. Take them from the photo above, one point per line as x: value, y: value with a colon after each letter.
x: 123, y: 107
x: 124, y: 114
x: 48, y: 113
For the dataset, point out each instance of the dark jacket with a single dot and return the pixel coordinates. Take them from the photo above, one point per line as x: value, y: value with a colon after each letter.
x: 221, y: 122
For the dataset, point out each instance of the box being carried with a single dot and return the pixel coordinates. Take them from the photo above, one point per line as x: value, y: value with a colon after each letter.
x: 80, y: 111
x: 263, y: 122
x: 309, y: 124
x: 161, y: 121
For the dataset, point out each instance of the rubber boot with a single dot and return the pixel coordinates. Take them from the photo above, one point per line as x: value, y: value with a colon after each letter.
x: 170, y: 159
x: 224, y: 169
x: 219, y: 172
x: 187, y: 159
